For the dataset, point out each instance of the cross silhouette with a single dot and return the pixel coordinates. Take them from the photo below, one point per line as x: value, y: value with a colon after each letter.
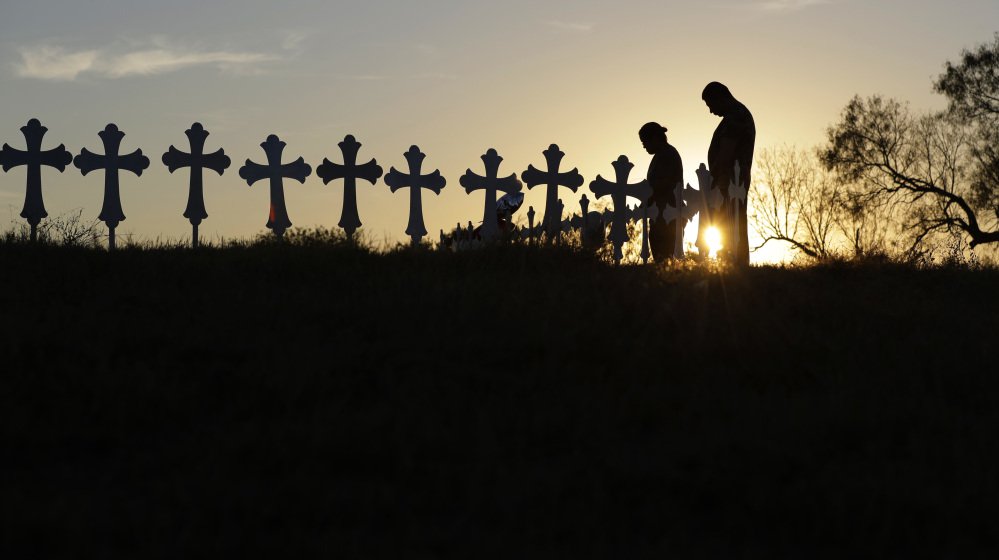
x: 619, y: 192
x: 711, y: 195
x: 684, y: 211
x: 587, y: 221
x: 278, y: 220
x: 737, y: 194
x: 643, y: 214
x: 530, y: 217
x: 350, y: 172
x: 490, y: 183
x: 34, y: 158
x: 553, y: 180
x: 111, y: 162
x: 416, y: 183
x: 566, y: 225
x: 709, y: 198
x: 218, y: 162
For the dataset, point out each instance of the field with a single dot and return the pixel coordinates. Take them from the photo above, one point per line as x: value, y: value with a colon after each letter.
x: 512, y: 402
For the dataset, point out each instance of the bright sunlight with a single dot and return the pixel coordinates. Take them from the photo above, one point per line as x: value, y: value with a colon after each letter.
x: 714, y: 240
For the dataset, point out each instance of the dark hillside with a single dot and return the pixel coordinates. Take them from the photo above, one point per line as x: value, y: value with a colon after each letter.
x: 508, y: 403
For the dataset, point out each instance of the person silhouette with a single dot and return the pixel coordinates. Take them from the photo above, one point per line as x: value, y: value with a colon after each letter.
x: 733, y: 141
x: 665, y: 171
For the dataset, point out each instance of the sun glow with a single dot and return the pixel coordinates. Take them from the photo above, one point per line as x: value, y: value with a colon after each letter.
x: 714, y: 240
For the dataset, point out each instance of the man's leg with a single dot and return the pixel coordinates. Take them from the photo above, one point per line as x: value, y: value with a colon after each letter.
x: 661, y: 240
x: 743, y: 254
x: 728, y: 227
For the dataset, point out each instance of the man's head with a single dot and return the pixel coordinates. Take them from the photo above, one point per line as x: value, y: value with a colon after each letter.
x: 653, y: 137
x: 718, y: 99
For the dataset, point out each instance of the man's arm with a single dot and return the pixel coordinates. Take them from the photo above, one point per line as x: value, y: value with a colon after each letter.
x: 723, y: 163
x: 736, y: 130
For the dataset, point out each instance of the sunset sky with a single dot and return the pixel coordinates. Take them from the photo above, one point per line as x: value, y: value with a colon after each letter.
x: 454, y: 77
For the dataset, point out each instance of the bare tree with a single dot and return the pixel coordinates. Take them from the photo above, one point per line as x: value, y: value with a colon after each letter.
x: 794, y: 201
x: 865, y: 225
x: 972, y: 90
x: 972, y: 86
x: 922, y: 165
x: 944, y: 167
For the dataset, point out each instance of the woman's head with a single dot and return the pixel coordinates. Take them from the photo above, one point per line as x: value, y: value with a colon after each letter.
x: 653, y: 136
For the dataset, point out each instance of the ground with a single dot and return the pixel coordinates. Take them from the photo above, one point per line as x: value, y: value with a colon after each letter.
x: 289, y: 400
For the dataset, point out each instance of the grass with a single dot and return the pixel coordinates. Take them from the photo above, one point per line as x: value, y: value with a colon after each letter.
x: 321, y: 398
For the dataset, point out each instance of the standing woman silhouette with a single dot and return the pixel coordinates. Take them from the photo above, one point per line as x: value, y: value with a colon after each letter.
x: 665, y: 171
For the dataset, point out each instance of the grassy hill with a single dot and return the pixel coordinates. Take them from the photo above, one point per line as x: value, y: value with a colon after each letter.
x: 281, y: 400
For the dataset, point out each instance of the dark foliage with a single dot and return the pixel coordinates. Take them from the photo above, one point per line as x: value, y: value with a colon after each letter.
x: 972, y: 90
x: 943, y: 167
x: 972, y: 85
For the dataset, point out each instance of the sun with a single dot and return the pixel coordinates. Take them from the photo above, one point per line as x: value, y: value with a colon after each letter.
x: 714, y: 240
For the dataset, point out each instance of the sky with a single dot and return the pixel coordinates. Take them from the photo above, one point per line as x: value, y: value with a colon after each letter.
x: 455, y: 77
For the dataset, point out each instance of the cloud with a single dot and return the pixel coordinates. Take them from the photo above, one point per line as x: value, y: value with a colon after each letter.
x: 47, y: 62
x: 161, y: 61
x: 293, y: 39
x: 789, y: 5
x: 53, y: 63
x: 571, y: 26
x: 363, y: 77
x: 433, y: 76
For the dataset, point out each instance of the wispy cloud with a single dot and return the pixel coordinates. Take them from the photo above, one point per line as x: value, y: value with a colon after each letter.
x: 49, y: 62
x: 54, y: 63
x: 436, y: 76
x: 293, y: 39
x: 363, y: 77
x: 576, y: 26
x: 161, y: 61
x: 788, y: 5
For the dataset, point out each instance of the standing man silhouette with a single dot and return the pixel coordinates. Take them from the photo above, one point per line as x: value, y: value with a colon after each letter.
x: 665, y: 171
x: 733, y: 141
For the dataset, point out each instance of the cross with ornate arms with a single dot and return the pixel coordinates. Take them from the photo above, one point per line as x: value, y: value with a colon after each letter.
x: 197, y: 160
x: 712, y: 196
x: 553, y: 180
x: 34, y: 158
x: 709, y: 198
x: 298, y: 170
x: 490, y: 183
x: 619, y: 191
x: 416, y: 183
x: 684, y: 211
x: 111, y: 162
x: 643, y: 214
x: 737, y: 194
x: 350, y: 172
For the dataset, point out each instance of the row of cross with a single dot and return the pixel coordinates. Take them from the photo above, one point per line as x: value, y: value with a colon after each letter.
x: 689, y: 201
